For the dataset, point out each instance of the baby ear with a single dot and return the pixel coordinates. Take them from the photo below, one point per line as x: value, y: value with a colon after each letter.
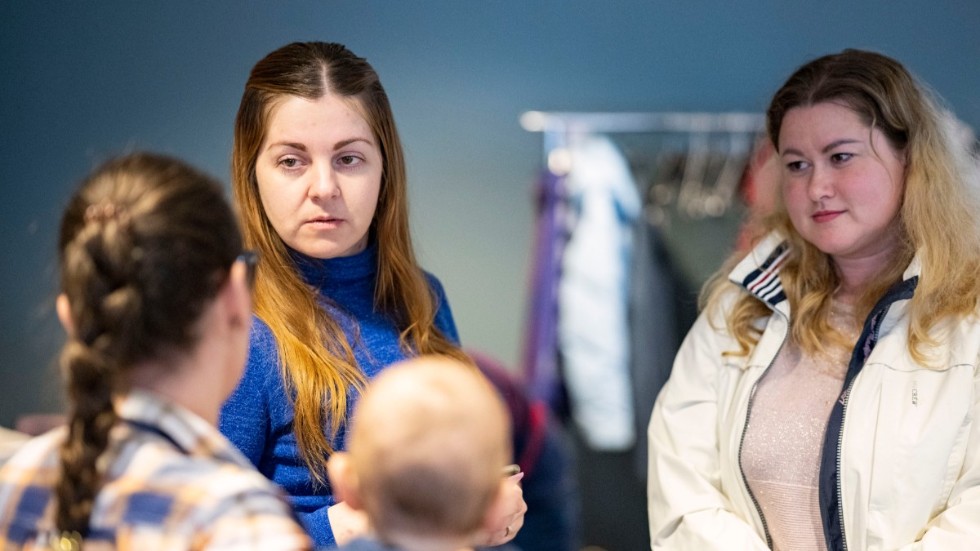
x: 343, y: 479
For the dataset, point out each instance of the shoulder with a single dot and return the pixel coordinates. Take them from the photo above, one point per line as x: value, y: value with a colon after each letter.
x: 434, y: 284
x: 10, y: 442
x: 724, y: 297
x: 260, y: 393
x: 203, y: 485
x: 36, y: 451
x: 262, y: 366
x: 35, y: 459
x: 438, y: 293
x: 261, y: 338
x: 444, y: 320
x: 237, y: 507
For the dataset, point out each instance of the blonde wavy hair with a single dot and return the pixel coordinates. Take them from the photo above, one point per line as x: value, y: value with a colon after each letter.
x: 938, y: 217
x: 317, y: 360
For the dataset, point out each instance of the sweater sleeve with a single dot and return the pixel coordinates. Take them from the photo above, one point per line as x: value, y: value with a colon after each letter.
x: 245, y: 416
x: 317, y: 525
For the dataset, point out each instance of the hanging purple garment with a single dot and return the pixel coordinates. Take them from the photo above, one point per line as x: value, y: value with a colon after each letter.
x: 540, y: 357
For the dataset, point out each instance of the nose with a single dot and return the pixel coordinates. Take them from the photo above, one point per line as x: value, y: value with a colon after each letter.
x: 820, y: 185
x: 324, y: 184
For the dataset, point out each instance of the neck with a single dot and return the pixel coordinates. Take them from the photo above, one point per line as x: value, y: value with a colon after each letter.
x: 858, y: 274
x: 178, y: 382
x: 199, y: 379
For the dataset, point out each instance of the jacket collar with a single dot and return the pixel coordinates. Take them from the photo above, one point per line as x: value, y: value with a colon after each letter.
x: 145, y: 412
x: 758, y: 272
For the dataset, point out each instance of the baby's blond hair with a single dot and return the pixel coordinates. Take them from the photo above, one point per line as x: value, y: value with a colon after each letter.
x: 428, y: 441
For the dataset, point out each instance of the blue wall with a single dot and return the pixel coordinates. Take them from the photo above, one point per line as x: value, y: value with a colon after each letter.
x: 80, y: 81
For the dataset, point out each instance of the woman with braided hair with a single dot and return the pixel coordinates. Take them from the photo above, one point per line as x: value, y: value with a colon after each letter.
x: 155, y: 299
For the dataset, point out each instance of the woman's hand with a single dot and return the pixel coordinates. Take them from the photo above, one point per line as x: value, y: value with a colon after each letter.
x: 346, y: 522
x: 506, y: 516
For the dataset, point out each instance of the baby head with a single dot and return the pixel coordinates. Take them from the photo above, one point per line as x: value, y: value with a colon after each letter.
x: 428, y: 442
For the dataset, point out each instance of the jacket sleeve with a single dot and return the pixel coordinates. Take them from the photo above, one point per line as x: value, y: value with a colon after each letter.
x: 686, y: 505
x: 958, y: 526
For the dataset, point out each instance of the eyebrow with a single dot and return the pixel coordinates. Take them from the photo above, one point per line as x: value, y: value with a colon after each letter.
x: 294, y: 145
x: 826, y: 149
x: 302, y: 147
x: 345, y: 143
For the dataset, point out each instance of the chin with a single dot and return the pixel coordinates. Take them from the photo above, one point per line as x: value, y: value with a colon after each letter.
x: 322, y: 252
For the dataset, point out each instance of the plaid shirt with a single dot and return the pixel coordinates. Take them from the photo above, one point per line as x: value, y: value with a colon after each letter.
x: 172, y: 482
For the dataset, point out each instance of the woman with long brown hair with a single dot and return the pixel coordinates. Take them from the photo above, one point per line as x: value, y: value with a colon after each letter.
x: 320, y: 182
x: 155, y: 301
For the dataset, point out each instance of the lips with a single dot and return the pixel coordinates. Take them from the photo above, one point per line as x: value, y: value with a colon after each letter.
x: 822, y: 216
x: 324, y: 221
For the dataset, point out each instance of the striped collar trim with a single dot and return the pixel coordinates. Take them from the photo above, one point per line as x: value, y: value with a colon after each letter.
x: 763, y: 280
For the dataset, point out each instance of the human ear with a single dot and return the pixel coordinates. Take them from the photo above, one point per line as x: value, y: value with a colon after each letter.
x: 239, y: 294
x: 63, y: 308
x: 343, y: 479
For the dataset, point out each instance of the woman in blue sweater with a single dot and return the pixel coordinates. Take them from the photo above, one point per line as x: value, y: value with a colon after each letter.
x: 320, y: 183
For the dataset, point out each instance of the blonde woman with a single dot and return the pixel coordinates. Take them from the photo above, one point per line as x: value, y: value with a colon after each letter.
x: 827, y: 398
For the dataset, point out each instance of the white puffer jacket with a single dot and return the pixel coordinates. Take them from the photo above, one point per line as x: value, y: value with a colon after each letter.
x: 909, y: 436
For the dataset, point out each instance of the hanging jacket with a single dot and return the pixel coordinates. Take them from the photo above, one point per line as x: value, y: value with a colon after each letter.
x: 901, y: 462
x: 593, y: 315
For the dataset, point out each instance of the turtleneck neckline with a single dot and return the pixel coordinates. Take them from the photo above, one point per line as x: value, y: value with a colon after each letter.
x: 321, y: 272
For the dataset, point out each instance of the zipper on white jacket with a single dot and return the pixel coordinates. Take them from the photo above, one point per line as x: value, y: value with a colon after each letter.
x: 745, y: 426
x: 840, y: 461
x: 902, y: 291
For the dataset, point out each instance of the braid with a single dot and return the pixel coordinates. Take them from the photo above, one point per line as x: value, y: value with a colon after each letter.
x: 90, y: 419
x: 145, y: 244
x: 107, y: 313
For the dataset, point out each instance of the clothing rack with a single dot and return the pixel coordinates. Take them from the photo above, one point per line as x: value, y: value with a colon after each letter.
x: 605, y: 122
x: 660, y: 292
x: 559, y: 127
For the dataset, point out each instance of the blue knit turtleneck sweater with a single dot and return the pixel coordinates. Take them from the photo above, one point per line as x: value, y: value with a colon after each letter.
x: 258, y: 417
